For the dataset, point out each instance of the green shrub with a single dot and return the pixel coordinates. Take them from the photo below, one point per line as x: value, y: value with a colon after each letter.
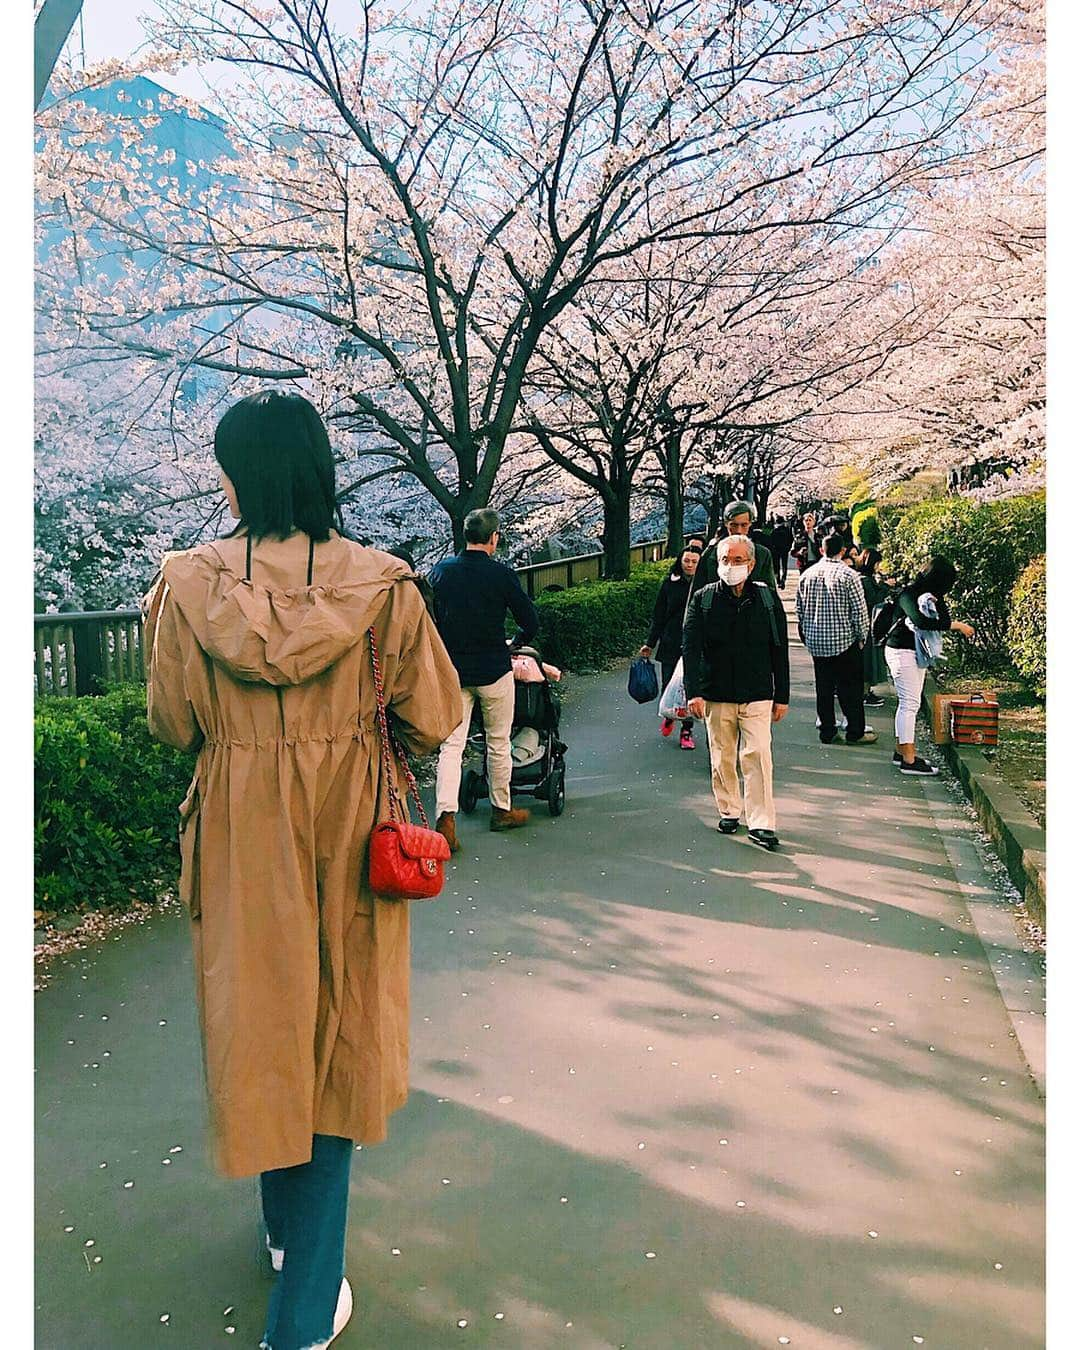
x: 867, y: 528
x: 990, y: 544
x: 106, y: 798
x: 1027, y: 624
x: 590, y: 624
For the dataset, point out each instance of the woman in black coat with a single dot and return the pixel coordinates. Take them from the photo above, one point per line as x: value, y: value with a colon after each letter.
x: 665, y: 635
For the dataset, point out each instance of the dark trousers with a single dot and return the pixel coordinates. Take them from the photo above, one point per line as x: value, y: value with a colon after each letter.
x: 780, y: 562
x: 667, y: 670
x: 306, y: 1209
x: 840, y: 677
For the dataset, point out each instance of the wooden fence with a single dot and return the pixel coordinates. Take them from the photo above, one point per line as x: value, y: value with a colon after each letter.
x: 77, y: 654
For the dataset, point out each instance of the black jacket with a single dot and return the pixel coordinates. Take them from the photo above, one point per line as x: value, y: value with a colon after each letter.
x: 472, y: 594
x: 665, y: 634
x: 780, y: 541
x: 729, y: 655
x: 907, y: 607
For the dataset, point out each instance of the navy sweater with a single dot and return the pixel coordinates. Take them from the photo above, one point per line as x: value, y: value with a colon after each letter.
x: 472, y: 595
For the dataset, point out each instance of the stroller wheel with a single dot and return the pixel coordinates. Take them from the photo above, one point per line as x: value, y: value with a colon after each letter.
x: 556, y: 793
x: 470, y: 791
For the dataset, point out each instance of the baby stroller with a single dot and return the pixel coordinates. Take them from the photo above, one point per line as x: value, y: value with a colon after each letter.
x: 539, y: 764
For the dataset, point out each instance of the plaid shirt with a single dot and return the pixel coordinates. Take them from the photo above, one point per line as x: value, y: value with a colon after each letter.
x: 831, y: 608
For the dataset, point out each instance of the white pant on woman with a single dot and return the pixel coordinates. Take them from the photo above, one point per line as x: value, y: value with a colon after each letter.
x: 909, y: 678
x: 497, y: 710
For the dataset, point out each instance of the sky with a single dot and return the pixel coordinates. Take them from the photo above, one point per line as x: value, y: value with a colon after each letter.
x: 112, y: 28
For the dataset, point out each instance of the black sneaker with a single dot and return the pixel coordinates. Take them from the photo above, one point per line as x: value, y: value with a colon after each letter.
x: 765, y: 839
x: 829, y: 740
x: 897, y: 758
x: 920, y: 767
x: 728, y: 824
x: 873, y: 701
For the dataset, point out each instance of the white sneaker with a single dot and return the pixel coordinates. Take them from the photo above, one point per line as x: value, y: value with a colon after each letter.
x: 277, y: 1255
x: 341, y: 1314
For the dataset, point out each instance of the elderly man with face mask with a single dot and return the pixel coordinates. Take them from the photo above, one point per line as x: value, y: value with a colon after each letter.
x: 735, y: 663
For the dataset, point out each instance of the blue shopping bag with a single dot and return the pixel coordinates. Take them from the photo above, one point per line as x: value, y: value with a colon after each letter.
x: 642, y: 686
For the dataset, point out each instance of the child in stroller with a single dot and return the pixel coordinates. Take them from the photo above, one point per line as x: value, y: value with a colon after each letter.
x: 538, y: 754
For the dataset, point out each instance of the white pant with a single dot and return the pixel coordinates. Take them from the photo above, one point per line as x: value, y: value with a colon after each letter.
x: 497, y: 710
x: 909, y: 678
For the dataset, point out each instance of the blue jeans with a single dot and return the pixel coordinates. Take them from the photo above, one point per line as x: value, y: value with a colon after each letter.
x: 306, y: 1209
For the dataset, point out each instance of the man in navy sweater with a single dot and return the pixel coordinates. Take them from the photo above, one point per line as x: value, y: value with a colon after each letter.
x: 472, y: 595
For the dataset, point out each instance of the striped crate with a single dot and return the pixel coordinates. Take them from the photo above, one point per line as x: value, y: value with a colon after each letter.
x: 974, y: 720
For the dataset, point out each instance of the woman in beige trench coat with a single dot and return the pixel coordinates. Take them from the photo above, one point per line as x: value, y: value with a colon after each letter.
x: 259, y: 659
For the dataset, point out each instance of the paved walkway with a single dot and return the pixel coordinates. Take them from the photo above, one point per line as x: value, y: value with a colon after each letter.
x: 670, y: 1092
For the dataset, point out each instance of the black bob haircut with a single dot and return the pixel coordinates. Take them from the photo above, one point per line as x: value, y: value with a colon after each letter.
x: 274, y: 448
x: 938, y: 576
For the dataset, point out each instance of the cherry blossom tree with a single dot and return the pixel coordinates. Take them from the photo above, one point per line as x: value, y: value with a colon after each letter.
x: 410, y: 208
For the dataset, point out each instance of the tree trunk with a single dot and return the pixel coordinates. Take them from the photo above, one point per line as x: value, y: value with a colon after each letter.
x: 616, y: 533
x: 675, y: 500
x: 715, y: 507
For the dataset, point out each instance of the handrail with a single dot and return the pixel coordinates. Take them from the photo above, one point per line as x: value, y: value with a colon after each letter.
x: 79, y: 652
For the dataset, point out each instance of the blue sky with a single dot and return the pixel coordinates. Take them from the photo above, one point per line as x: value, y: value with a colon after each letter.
x: 112, y: 28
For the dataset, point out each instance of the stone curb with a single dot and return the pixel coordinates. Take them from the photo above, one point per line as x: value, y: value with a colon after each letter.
x: 1016, y: 835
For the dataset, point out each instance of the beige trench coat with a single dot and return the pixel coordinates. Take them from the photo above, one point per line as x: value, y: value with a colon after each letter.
x: 302, y: 974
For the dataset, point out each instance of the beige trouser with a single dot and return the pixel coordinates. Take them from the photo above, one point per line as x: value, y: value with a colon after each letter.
x: 742, y: 731
x: 497, y: 710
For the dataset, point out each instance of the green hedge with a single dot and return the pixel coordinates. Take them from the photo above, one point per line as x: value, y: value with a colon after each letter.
x: 590, y: 624
x: 106, y: 798
x: 990, y: 544
x: 867, y: 528
x: 1027, y: 625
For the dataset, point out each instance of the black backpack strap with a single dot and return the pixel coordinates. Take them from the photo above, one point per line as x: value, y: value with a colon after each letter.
x: 769, y: 599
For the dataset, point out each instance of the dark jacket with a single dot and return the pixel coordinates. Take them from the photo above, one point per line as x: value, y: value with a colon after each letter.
x: 472, y: 594
x: 780, y: 541
x: 907, y: 605
x: 708, y: 568
x: 665, y: 633
x: 729, y: 655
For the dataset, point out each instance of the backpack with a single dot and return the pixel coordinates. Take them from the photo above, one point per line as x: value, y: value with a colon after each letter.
x: 884, y: 619
x: 708, y: 594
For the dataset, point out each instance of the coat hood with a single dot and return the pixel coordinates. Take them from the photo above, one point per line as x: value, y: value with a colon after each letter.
x: 277, y: 634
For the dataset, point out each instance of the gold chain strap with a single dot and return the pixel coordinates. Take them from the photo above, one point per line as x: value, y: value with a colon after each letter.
x: 390, y: 750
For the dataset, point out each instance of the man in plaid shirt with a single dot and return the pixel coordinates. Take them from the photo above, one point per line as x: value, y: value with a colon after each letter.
x: 834, y: 626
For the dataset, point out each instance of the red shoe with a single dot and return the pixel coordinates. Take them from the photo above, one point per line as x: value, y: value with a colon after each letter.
x: 686, y: 741
x: 667, y: 726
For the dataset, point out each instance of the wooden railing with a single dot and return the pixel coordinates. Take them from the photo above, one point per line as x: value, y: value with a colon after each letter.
x: 80, y: 653
x: 566, y: 572
x: 77, y: 654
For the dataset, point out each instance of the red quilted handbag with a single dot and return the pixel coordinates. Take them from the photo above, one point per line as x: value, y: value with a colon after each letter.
x: 405, y: 861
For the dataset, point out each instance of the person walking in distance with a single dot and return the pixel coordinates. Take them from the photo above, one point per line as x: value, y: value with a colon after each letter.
x: 780, y: 542
x: 834, y: 625
x: 473, y: 593
x: 735, y: 663
x: 665, y: 635
x: 738, y: 522
x: 921, y: 611
x: 260, y: 656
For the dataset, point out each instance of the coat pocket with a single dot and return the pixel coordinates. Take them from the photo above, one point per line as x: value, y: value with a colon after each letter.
x: 189, y: 852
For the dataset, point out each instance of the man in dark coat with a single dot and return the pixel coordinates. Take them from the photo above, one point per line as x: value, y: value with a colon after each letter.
x: 735, y: 661
x: 780, y: 546
x: 738, y: 521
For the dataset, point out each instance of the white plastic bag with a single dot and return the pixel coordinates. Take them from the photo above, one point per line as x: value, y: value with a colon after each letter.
x: 673, y: 699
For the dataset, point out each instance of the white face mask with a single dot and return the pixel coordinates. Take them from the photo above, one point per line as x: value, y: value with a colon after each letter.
x: 734, y: 574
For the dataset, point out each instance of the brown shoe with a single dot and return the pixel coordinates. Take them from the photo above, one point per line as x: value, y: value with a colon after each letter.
x: 509, y: 820
x: 446, y: 825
